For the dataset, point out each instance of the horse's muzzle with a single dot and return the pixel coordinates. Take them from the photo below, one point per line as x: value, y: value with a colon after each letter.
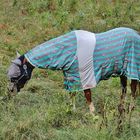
x: 12, y: 89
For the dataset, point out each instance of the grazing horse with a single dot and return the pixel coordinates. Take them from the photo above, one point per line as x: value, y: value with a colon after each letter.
x: 85, y: 58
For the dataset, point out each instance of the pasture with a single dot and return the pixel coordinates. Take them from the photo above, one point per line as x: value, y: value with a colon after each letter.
x: 42, y: 110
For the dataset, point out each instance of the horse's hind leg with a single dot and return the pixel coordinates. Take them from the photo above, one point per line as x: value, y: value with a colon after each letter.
x: 133, y: 86
x: 123, y: 81
x: 131, y: 106
x: 138, y: 86
x: 121, y: 107
x: 139, y: 89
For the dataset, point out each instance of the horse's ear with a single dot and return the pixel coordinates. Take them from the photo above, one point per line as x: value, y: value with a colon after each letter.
x: 18, y: 54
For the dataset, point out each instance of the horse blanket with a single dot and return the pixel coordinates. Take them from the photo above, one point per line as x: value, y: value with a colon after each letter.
x: 86, y: 58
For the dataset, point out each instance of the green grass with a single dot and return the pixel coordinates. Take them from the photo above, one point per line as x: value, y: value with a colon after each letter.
x: 42, y: 110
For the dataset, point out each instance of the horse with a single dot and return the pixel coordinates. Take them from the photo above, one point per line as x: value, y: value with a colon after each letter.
x: 85, y: 58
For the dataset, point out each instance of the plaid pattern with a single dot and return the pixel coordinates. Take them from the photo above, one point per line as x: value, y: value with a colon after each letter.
x: 117, y: 52
x: 59, y: 54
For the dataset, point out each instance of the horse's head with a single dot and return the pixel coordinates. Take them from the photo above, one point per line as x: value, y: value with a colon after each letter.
x: 18, y: 74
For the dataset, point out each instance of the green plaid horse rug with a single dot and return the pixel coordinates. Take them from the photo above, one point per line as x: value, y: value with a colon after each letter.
x: 86, y: 58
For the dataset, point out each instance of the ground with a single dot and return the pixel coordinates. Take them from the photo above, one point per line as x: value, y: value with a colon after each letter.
x: 42, y: 110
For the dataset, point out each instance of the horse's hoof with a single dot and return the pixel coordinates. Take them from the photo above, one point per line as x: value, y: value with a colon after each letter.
x: 121, y: 108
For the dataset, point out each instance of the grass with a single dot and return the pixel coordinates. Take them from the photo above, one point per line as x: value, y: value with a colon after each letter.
x: 42, y: 110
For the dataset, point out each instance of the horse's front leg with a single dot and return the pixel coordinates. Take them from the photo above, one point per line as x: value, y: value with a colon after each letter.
x: 89, y: 100
x: 73, y: 102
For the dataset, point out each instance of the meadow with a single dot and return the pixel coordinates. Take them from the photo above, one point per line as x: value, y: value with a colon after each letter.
x: 42, y: 110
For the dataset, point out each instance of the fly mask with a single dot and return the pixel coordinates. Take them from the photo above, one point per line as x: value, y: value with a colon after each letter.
x: 19, y: 73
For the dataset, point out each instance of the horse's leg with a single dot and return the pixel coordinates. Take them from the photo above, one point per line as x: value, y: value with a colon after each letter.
x: 121, y: 107
x: 131, y: 106
x: 133, y: 86
x: 139, y: 88
x: 123, y: 81
x: 72, y: 97
x: 89, y: 100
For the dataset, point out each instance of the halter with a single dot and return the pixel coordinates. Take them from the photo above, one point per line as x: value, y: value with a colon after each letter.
x: 21, y: 73
x: 25, y: 73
